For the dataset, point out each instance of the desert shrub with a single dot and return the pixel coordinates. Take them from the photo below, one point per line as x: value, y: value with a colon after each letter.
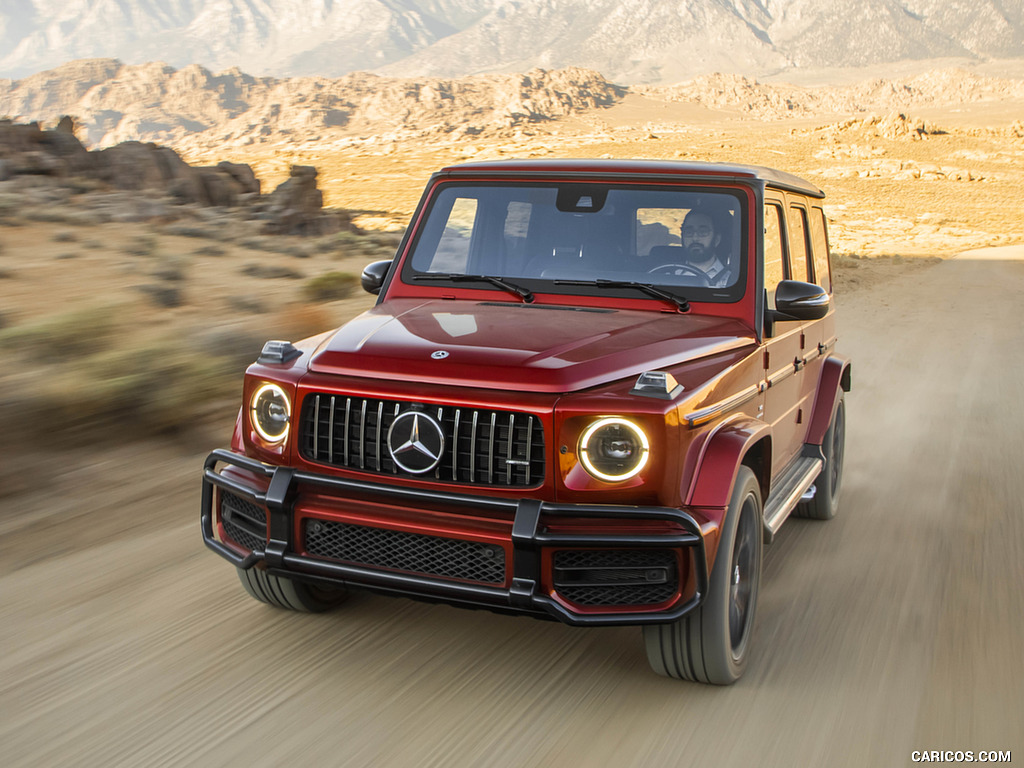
x: 210, y: 250
x: 6, y: 274
x: 163, y: 387
x: 164, y: 295
x: 80, y: 185
x: 329, y: 286
x: 172, y: 269
x: 347, y: 240
x: 258, y: 243
x: 298, y: 250
x: 85, y: 218
x: 370, y: 245
x: 71, y: 334
x: 385, y: 239
x: 246, y: 304
x: 189, y: 230
x: 47, y: 215
x: 270, y: 271
x: 846, y: 260
x: 64, y: 236
x: 153, y: 387
x: 143, y: 245
x: 235, y: 343
x: 9, y: 204
x: 325, y: 245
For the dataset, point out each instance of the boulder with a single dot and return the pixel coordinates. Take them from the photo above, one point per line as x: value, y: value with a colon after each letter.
x: 219, y: 187
x: 296, y: 206
x: 133, y: 165
x: 243, y: 175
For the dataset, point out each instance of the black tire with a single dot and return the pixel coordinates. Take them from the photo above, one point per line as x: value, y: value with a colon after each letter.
x: 829, y: 482
x: 712, y: 643
x: 282, y: 592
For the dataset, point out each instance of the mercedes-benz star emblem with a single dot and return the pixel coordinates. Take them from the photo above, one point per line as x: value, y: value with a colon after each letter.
x: 415, y: 442
x: 439, y: 355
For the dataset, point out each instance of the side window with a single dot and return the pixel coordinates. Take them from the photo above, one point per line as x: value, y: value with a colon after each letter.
x: 819, y: 244
x: 772, y: 250
x: 452, y: 254
x: 798, y: 244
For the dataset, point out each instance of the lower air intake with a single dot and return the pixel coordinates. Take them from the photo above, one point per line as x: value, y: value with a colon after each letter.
x: 618, y: 577
x: 410, y: 552
x: 245, y: 523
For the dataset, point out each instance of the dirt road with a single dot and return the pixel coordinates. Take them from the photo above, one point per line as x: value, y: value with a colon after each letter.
x: 899, y: 626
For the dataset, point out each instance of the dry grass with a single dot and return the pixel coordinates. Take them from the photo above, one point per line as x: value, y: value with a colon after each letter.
x: 73, y: 334
x: 330, y: 286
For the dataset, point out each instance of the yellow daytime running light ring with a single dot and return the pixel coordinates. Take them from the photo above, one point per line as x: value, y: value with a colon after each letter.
x: 632, y: 429
x: 270, y: 404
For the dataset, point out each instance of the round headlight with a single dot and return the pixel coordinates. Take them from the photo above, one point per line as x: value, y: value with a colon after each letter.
x: 271, y: 411
x: 613, y: 449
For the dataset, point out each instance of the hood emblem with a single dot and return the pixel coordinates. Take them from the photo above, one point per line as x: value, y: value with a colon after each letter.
x: 439, y: 355
x: 415, y: 442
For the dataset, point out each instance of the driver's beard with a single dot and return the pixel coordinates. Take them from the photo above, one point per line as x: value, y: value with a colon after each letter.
x: 698, y: 256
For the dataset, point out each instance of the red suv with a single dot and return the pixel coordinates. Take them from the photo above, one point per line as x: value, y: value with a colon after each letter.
x: 589, y: 391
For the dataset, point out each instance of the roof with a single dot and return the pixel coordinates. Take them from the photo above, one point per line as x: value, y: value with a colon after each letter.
x: 636, y: 169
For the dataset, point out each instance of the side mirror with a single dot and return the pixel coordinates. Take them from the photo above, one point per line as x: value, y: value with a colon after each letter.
x: 795, y: 300
x: 373, y: 276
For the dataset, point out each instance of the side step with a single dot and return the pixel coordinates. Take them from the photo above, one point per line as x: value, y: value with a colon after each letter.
x: 798, y: 478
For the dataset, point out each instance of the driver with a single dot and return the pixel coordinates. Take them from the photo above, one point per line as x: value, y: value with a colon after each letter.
x: 700, y: 246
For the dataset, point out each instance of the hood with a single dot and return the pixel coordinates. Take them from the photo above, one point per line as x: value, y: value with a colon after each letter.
x: 524, y: 347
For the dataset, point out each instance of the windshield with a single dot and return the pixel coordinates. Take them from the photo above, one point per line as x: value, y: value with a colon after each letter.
x: 554, y: 237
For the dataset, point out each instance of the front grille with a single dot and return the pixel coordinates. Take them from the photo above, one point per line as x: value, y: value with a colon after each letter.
x: 482, y: 447
x: 401, y: 551
x: 616, y: 576
x: 244, y: 522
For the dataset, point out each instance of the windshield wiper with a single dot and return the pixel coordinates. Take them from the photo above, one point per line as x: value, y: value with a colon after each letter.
x: 681, y: 303
x: 458, y: 277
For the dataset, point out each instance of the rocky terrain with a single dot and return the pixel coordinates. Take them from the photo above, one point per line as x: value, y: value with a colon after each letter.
x: 194, y: 107
x: 154, y: 182
x: 775, y: 101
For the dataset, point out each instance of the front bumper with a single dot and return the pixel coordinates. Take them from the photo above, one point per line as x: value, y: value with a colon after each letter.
x: 528, y: 536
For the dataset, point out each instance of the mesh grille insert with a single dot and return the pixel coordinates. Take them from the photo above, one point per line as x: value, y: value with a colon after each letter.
x: 402, y: 551
x: 616, y: 576
x: 245, y: 523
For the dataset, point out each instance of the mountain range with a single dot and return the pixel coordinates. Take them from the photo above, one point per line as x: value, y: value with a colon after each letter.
x: 192, y: 107
x: 627, y: 41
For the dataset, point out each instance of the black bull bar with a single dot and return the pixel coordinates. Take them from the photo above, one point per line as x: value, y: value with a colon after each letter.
x: 527, y: 540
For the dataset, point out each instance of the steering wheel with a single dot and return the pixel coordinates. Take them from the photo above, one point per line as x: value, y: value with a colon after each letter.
x: 675, y: 270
